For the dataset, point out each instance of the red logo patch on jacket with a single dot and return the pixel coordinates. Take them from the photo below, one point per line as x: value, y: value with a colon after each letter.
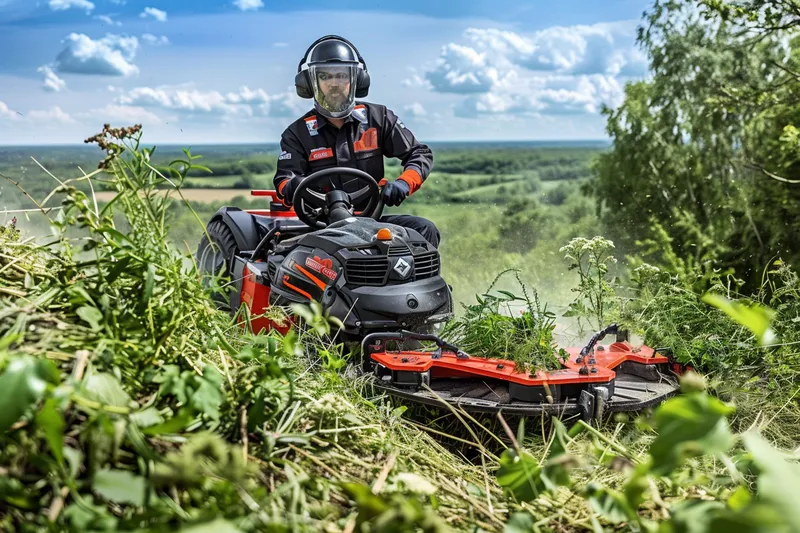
x: 320, y: 153
x: 367, y: 142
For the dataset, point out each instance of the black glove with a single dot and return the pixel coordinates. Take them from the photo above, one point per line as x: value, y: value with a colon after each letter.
x: 395, y: 192
x: 287, y: 192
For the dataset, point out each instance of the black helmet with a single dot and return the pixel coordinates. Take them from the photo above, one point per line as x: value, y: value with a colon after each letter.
x: 334, y: 77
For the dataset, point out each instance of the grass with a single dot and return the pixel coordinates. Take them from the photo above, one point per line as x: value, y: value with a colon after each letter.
x: 222, y: 182
x: 226, y: 424
x: 509, y: 326
x: 132, y: 404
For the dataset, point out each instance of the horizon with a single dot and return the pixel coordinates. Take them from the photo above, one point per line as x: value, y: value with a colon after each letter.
x: 210, y: 72
x: 276, y: 145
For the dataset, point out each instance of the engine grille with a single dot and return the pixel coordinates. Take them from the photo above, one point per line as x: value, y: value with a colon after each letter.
x: 367, y: 270
x: 426, y: 265
x: 394, y: 251
x: 398, y: 250
x: 374, y: 270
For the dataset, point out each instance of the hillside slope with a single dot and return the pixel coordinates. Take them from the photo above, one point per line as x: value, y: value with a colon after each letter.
x: 131, y: 404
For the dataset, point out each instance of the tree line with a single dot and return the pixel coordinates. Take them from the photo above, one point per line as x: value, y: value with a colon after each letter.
x: 704, y: 169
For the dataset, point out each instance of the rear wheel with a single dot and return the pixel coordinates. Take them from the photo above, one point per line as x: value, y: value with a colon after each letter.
x: 214, y: 261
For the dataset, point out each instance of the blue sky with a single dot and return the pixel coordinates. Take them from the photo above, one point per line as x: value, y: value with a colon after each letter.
x: 222, y: 71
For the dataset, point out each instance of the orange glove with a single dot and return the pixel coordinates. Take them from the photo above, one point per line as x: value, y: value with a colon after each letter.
x: 412, y: 178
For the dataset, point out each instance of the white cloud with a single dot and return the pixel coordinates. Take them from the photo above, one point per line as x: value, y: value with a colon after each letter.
x: 7, y: 113
x: 559, y: 95
x: 110, y: 56
x: 124, y: 114
x: 417, y: 81
x: 160, y: 16
x: 558, y: 70
x: 463, y: 70
x: 285, y: 105
x: 280, y: 44
x: 105, y: 19
x: 245, y: 5
x: 52, y: 83
x: 415, y: 109
x: 245, y: 102
x: 149, y: 38
x: 596, y: 49
x: 61, y: 5
x: 54, y: 114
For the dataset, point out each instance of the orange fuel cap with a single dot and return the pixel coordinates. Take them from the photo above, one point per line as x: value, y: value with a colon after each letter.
x: 384, y: 234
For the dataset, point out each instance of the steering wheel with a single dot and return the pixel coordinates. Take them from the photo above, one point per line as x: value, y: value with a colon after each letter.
x: 312, y: 206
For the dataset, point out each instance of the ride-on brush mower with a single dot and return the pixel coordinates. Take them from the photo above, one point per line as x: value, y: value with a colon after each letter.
x: 383, y: 282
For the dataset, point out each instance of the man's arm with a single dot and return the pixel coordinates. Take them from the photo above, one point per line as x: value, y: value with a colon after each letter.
x: 399, y: 142
x: 291, y: 161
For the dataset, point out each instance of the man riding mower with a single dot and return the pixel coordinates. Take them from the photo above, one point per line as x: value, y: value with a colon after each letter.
x: 325, y: 238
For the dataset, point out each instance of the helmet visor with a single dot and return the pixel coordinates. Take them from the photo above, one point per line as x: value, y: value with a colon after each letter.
x: 334, y: 87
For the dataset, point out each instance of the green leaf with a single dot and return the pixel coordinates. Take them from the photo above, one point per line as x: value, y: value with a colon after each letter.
x: 149, y: 282
x: 106, y: 389
x: 519, y: 474
x: 173, y: 425
x: 219, y: 525
x: 739, y: 499
x: 13, y: 492
x: 755, y: 518
x: 248, y: 353
x: 694, y: 516
x: 74, y: 459
x: 755, y: 317
x: 91, y: 315
x: 609, y: 503
x: 147, y: 417
x: 689, y: 426
x: 209, y: 395
x: 779, y: 480
x: 510, y: 295
x: 52, y: 422
x: 22, y: 384
x: 369, y: 504
x: 120, y: 486
x: 398, y: 411
x: 519, y: 522
x: 119, y: 267
x: 113, y: 232
x: 304, y: 311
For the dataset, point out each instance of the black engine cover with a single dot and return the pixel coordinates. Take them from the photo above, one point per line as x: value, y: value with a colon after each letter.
x: 369, y: 284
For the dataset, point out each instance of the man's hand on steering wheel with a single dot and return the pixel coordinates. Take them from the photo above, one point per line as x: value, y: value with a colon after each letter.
x: 287, y: 189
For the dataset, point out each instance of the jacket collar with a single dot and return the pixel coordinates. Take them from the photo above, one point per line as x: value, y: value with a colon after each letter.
x: 322, y: 120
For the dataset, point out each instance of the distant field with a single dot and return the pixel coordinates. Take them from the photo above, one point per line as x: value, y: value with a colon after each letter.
x: 230, y: 181
x: 472, y: 196
x: 194, y: 195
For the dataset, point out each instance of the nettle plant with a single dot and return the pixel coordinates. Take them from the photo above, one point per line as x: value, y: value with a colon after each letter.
x: 591, y: 258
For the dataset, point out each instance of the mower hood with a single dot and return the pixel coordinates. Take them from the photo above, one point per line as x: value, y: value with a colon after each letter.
x: 354, y: 232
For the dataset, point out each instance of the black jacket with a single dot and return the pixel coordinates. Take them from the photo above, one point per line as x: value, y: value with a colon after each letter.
x: 371, y: 131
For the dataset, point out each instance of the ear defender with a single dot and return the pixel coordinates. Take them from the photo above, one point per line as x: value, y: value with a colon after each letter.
x: 302, y: 80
